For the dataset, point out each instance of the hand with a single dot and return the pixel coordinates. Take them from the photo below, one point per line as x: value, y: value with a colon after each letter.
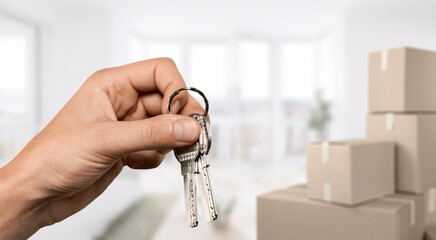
x: 116, y: 118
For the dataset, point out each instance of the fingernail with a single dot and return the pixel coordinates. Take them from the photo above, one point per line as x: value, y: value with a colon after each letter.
x: 175, y: 107
x: 186, y: 130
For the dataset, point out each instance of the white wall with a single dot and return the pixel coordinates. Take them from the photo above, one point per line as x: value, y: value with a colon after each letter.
x: 78, y: 44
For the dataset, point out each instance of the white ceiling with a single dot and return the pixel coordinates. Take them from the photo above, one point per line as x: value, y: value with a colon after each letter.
x: 307, y: 18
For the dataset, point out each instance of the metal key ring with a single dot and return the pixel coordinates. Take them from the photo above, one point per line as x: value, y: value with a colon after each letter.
x: 206, y: 102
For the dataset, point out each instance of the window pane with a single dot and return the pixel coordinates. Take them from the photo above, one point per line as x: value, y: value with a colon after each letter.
x: 327, y: 81
x: 298, y: 71
x: 208, y: 68
x: 141, y: 49
x: 12, y: 62
x: 137, y: 49
x: 163, y: 49
x: 254, y: 67
x: 17, y: 80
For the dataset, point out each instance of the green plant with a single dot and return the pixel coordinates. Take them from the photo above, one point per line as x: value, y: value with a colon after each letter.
x: 319, y: 113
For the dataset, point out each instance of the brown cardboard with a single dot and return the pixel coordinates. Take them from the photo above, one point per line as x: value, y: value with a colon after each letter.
x: 402, y: 79
x: 415, y: 138
x: 430, y: 207
x: 430, y: 233
x: 288, y: 214
x: 350, y: 172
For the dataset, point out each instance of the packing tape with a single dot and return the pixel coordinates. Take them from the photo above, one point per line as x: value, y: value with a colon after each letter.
x: 406, y: 201
x: 431, y: 207
x: 390, y: 121
x: 325, y: 152
x: 328, y: 192
x: 384, y: 60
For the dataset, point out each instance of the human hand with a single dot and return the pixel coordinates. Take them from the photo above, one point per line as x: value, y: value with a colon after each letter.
x: 116, y: 118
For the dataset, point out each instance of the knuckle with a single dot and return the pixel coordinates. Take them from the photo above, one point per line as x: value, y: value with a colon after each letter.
x: 101, y: 75
x: 165, y: 60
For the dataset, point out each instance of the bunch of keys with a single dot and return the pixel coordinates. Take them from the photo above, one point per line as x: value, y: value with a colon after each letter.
x: 194, y: 165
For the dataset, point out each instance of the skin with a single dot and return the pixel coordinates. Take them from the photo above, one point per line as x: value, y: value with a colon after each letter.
x: 117, y: 118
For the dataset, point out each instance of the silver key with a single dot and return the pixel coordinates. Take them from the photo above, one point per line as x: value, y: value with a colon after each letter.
x: 205, y: 141
x: 208, y: 202
x: 195, y: 165
x: 187, y: 156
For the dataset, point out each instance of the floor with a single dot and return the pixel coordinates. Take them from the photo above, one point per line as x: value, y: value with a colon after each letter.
x: 161, y: 216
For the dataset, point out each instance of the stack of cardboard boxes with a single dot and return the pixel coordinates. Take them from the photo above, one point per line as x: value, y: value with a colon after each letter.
x: 379, y: 188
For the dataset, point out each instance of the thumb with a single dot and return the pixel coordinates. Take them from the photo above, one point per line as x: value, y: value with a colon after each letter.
x: 160, y: 132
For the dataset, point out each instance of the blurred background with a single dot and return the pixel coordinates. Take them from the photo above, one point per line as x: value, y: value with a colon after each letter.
x: 277, y: 73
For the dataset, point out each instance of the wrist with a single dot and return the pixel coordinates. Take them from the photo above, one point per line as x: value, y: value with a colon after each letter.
x: 20, y: 204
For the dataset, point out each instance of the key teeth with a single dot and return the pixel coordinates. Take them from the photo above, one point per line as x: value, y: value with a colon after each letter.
x: 186, y: 156
x: 195, y: 224
x: 215, y: 217
x: 208, y: 201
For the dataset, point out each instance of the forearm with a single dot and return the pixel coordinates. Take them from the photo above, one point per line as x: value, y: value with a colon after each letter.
x: 21, y: 208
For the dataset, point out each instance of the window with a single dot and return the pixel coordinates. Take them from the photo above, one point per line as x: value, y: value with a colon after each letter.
x: 259, y: 91
x: 163, y: 49
x: 18, y: 89
x: 208, y: 68
x: 298, y: 71
x: 137, y: 49
x: 254, y: 70
x: 141, y: 50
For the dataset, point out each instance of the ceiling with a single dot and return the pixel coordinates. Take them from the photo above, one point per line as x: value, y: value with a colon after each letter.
x: 164, y: 17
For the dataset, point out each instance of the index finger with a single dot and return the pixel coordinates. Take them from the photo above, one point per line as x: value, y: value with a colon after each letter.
x: 159, y: 74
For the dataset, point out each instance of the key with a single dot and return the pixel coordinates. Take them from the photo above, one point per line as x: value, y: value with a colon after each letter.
x: 195, y: 166
x: 187, y: 156
x: 207, y: 199
x: 205, y: 141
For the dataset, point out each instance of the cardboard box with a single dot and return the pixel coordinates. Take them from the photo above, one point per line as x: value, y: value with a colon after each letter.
x: 430, y: 207
x: 415, y: 138
x: 288, y: 214
x: 430, y: 233
x: 402, y: 79
x: 350, y: 172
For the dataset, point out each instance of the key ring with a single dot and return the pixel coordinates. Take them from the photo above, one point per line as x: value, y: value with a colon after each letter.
x: 206, y: 102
